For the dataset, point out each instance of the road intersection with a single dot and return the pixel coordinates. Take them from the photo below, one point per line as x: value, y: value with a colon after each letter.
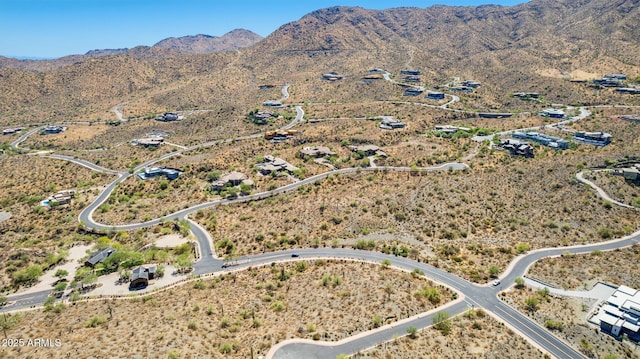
x: 470, y: 295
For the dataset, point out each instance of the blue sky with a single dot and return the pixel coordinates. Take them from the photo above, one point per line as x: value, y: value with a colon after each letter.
x: 54, y: 28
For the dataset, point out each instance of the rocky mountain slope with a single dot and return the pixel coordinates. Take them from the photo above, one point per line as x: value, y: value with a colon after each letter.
x: 205, y: 44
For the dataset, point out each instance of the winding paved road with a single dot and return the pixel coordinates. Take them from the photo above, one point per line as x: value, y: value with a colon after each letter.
x: 471, y: 295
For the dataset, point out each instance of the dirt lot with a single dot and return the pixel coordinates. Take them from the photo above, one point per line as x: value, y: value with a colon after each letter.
x: 474, y: 335
x: 277, y: 303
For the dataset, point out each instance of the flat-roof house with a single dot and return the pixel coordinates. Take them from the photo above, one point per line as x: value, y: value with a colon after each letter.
x: 470, y: 83
x: 608, y: 82
x: 632, y: 118
x: 545, y: 140
x: 151, y: 141
x: 99, y: 257
x: 413, y: 91
x: 53, y: 129
x: 168, y: 117
x: 461, y: 89
x: 316, y: 152
x: 141, y: 276
x: 332, y: 76
x: 630, y: 174
x: 149, y: 172
x: 593, y: 138
x: 10, y: 131
x: 451, y: 129
x: 272, y: 103
x: 390, y: 123
x: 410, y: 72
x: 261, y: 117
x: 620, y: 315
x: 620, y: 77
x: 526, y: 95
x: 628, y: 90
x: 552, y: 113
x: 368, y: 150
x: 412, y: 78
x: 432, y: 95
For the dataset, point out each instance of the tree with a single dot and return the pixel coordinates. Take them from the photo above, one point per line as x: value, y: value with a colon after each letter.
x: 522, y: 247
x: 519, y: 283
x: 89, y: 279
x: 531, y: 303
x: 385, y: 263
x: 60, y: 286
x: 412, y: 331
x: 8, y: 321
x: 61, y: 273
x: 493, y: 271
x: 442, y: 322
x: 377, y: 321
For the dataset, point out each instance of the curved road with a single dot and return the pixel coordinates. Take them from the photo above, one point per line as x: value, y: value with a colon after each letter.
x: 472, y: 295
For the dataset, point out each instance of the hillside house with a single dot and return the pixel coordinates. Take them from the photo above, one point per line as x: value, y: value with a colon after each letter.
x: 413, y: 91
x: 390, y: 123
x: 552, y: 113
x: 151, y: 141
x: 261, y: 117
x: 150, y: 172
x: 411, y: 72
x: 99, y: 257
x: 332, y: 76
x: 412, y: 78
x: 620, y: 315
x: 230, y: 180
x: 53, y: 129
x: 631, y: 174
x: 451, y: 129
x: 58, y: 199
x: 470, y: 83
x: 609, y: 82
x: 265, y: 87
x: 631, y: 118
x: 272, y: 103
x: 517, y: 148
x: 526, y: 95
x: 545, y: 140
x: 592, y: 138
x: 432, y: 95
x: 316, y: 152
x: 461, y: 89
x: 368, y: 150
x: 10, y: 131
x: 279, y: 136
x: 628, y: 90
x: 141, y: 276
x: 619, y: 77
x: 275, y: 165
x: 169, y: 117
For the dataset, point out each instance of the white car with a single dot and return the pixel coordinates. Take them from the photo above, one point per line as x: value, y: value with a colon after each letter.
x: 496, y: 282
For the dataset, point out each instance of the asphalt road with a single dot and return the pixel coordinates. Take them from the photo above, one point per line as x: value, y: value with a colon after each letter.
x: 23, y: 301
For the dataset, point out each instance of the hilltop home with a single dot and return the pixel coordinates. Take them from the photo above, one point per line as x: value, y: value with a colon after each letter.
x: 526, y: 95
x: 631, y: 174
x: 628, y: 90
x: 149, y: 172
x: 632, y: 118
x: 549, y: 141
x: 230, y: 180
x: 461, y: 89
x: 99, y: 257
x: 141, y: 276
x: 58, y: 199
x: 412, y: 78
x: 368, y: 150
x: 552, y: 113
x: 10, y: 131
x: 316, y: 152
x: 261, y: 117
x: 593, y: 138
x: 620, y: 315
x: 619, y: 77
